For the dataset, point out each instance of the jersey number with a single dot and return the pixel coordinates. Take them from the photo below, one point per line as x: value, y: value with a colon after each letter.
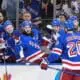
x: 74, y: 49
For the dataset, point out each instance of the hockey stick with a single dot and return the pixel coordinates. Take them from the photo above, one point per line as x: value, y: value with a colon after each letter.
x: 5, y: 66
x: 6, y: 75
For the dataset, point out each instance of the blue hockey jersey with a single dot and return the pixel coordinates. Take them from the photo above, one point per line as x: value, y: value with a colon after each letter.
x: 31, y: 48
x: 26, y: 48
x: 68, y: 47
x: 37, y: 36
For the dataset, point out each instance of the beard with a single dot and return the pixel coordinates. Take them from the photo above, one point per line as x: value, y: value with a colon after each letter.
x: 28, y: 34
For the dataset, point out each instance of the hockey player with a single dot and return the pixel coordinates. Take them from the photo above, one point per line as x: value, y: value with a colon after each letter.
x: 8, y: 28
x: 2, y: 43
x: 26, y: 48
x: 8, y: 31
x: 52, y: 34
x: 26, y: 16
x: 5, y: 52
x: 67, y: 47
x: 75, y: 21
x: 13, y: 46
x: 57, y: 26
x: 36, y: 34
x: 62, y: 17
x: 55, y: 31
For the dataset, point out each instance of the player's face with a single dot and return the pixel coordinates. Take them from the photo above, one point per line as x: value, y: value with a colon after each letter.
x: 26, y: 16
x: 9, y: 29
x: 1, y: 17
x: 76, y: 23
x: 62, y: 18
x: 56, y: 28
x: 27, y: 30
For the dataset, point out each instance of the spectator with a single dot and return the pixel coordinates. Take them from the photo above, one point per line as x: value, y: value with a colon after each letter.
x: 26, y: 16
x: 2, y: 16
x: 75, y: 6
x: 67, y: 9
x: 34, y: 7
x: 21, y: 5
x: 47, y: 9
x: 10, y: 7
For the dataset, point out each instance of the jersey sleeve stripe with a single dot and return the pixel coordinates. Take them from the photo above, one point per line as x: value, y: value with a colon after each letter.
x: 56, y: 51
x: 35, y: 56
x: 71, y: 65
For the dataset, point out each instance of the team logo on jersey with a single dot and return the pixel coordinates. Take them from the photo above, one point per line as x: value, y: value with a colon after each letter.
x: 34, y: 45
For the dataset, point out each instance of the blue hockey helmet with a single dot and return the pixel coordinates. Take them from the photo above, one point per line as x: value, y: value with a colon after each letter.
x: 8, y: 22
x: 16, y: 33
x: 26, y: 24
x: 73, y: 18
x: 55, y: 22
x: 69, y: 25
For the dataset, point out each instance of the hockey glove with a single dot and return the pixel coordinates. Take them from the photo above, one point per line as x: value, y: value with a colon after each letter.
x: 44, y: 64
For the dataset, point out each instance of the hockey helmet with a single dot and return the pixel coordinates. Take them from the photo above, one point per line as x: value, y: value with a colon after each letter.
x: 16, y: 33
x: 7, y: 23
x: 55, y: 22
x: 69, y: 25
x: 73, y: 18
x: 26, y: 24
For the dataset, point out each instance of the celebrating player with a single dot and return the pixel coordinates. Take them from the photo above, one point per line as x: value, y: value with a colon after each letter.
x: 67, y: 47
x: 26, y: 48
